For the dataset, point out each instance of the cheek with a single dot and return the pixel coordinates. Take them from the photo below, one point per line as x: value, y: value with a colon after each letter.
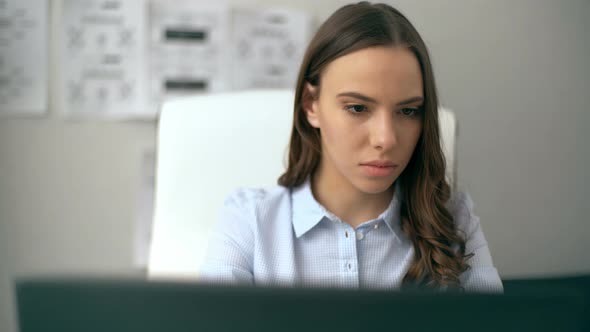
x: 338, y: 134
x: 411, y: 136
x: 416, y: 132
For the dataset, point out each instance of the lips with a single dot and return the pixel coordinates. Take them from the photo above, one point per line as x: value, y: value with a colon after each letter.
x: 380, y: 163
x: 379, y: 168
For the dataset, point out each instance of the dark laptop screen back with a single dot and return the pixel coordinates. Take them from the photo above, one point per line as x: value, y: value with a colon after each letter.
x: 109, y: 305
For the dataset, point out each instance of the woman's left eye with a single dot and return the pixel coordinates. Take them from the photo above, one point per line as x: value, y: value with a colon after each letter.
x: 356, y: 108
x: 409, y: 111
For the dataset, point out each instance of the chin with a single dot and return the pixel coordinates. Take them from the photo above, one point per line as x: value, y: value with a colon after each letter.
x: 374, y: 185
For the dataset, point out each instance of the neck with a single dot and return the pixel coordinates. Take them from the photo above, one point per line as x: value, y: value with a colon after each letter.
x: 345, y: 201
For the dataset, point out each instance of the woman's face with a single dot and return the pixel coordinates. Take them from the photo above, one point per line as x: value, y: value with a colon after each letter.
x: 369, y: 115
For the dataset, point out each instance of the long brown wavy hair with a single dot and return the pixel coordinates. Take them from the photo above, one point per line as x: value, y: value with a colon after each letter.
x: 439, y: 249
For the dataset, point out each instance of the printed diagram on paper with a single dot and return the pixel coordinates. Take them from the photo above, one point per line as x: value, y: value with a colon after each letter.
x: 268, y: 47
x: 188, y: 44
x: 23, y: 56
x: 103, y: 58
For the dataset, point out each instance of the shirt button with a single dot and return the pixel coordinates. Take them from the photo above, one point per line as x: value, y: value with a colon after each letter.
x: 360, y: 236
x: 346, y: 234
x: 349, y: 266
x: 376, y: 226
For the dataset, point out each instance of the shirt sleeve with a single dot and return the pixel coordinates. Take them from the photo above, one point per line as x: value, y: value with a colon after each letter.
x: 229, y: 257
x: 482, y: 276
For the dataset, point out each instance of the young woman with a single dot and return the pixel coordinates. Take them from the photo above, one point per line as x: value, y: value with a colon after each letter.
x: 364, y: 201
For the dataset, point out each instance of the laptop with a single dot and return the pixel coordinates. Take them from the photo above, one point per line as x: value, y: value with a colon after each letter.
x: 109, y: 305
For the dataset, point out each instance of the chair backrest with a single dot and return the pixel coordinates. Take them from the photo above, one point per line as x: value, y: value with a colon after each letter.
x: 208, y: 146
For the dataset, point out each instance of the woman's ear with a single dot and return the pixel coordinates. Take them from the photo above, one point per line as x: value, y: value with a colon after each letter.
x: 309, y: 103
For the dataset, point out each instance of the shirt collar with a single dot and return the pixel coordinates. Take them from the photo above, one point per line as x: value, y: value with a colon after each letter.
x: 391, y: 216
x: 307, y: 212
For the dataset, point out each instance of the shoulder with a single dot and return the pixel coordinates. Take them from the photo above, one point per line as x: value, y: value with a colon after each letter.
x: 256, y: 203
x: 459, y: 201
x: 256, y: 198
x: 482, y: 276
x: 461, y: 206
x: 243, y: 211
x: 251, y: 217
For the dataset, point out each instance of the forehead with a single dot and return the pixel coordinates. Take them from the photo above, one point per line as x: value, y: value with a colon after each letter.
x: 388, y: 73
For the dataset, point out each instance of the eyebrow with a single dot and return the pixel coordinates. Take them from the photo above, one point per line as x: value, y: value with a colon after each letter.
x: 371, y: 100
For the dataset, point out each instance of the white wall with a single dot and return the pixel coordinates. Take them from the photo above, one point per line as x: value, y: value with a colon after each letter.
x: 515, y: 72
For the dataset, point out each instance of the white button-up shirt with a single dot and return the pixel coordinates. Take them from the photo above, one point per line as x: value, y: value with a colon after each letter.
x: 284, y: 237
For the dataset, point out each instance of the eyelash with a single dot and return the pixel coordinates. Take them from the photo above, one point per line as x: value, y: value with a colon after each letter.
x: 349, y: 109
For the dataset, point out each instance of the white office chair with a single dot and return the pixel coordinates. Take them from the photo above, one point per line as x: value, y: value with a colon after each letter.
x: 208, y: 146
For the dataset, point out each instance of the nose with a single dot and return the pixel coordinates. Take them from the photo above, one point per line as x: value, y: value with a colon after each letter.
x: 383, y: 131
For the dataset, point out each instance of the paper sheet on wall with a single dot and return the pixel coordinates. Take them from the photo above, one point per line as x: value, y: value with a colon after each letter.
x: 145, y: 207
x: 189, y: 53
x: 23, y: 56
x: 268, y: 46
x: 103, y: 60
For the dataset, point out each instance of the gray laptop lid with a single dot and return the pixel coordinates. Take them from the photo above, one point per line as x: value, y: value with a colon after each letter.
x: 115, y: 305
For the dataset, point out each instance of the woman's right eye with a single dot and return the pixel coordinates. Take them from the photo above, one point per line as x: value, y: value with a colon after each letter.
x: 355, y: 108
